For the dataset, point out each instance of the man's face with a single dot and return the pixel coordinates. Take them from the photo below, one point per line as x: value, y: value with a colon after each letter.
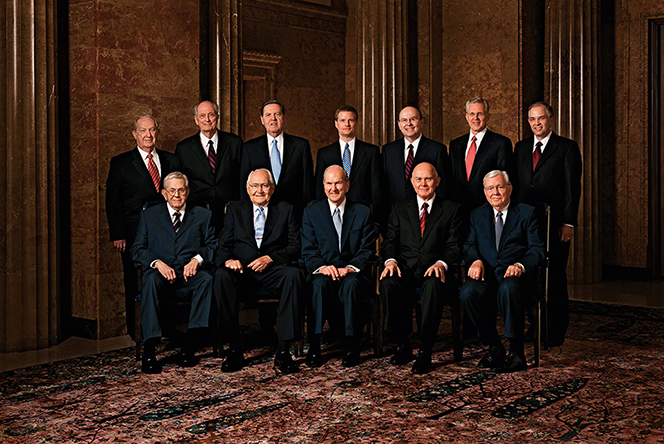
x: 175, y: 192
x: 539, y: 121
x: 335, y: 185
x: 145, y: 134
x: 345, y: 124
x: 477, y: 117
x: 259, y: 188
x: 273, y: 119
x: 425, y: 180
x: 410, y: 123
x: 207, y: 118
x: 497, y: 192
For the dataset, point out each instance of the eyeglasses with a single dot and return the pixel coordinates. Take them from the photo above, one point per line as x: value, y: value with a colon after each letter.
x: 173, y: 191
x: 499, y: 187
x: 411, y: 120
x: 262, y: 186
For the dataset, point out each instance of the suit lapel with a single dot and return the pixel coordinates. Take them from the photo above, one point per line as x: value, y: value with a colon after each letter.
x: 142, y: 170
x: 165, y: 220
x: 222, y: 146
x: 422, y: 151
x: 358, y: 158
x: 549, y: 150
x: 510, y: 223
x: 482, y: 150
x: 247, y: 215
x: 288, y: 153
x: 414, y: 217
x: 199, y: 153
x: 349, y: 218
x: 434, y: 214
x: 189, y: 217
x: 272, y: 215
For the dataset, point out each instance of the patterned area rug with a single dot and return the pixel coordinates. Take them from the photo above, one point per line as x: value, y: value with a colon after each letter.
x: 605, y: 385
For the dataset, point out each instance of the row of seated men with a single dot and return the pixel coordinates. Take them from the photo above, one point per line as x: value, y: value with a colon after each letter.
x: 545, y: 168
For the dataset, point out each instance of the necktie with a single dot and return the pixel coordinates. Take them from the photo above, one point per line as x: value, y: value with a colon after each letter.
x: 259, y: 226
x: 470, y: 157
x: 347, y: 160
x: 212, y: 156
x: 537, y: 154
x: 423, y: 218
x: 336, y: 219
x: 176, y: 221
x: 499, y: 228
x: 154, y: 173
x: 409, y: 162
x: 275, y: 160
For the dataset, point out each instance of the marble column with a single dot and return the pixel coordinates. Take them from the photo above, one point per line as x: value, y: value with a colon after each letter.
x: 226, y: 62
x: 29, y: 243
x: 570, y: 80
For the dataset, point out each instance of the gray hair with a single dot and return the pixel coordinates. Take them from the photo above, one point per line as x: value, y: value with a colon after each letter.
x: 176, y: 175
x: 156, y: 124
x: 478, y: 100
x: 264, y: 170
x: 495, y: 173
x: 214, y: 106
x: 549, y: 108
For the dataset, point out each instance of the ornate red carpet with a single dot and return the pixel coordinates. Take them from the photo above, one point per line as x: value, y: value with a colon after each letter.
x: 605, y: 385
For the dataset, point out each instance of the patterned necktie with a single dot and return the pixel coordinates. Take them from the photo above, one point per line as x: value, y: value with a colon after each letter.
x: 176, y: 221
x: 409, y: 162
x: 275, y: 160
x: 259, y: 225
x: 423, y: 218
x: 470, y: 157
x: 336, y: 219
x: 154, y: 173
x: 537, y: 154
x: 212, y: 156
x: 346, y: 160
x: 499, y: 228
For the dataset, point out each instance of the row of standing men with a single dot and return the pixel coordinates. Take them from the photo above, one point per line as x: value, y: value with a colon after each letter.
x: 544, y: 168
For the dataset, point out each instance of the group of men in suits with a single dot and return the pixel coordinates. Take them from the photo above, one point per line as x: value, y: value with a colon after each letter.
x: 416, y: 195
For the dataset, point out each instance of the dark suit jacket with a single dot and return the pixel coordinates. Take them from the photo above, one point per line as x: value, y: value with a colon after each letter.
x: 519, y: 242
x: 156, y: 238
x: 281, y: 237
x: 556, y: 181
x: 320, y: 242
x: 366, y: 172
x: 129, y: 186
x: 398, y: 188
x: 213, y: 190
x: 297, y: 170
x: 440, y: 241
x: 494, y: 153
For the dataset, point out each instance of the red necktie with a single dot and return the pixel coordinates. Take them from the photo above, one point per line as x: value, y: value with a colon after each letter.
x: 154, y: 173
x: 470, y: 157
x: 537, y: 154
x: 212, y: 157
x: 423, y: 218
x: 409, y: 162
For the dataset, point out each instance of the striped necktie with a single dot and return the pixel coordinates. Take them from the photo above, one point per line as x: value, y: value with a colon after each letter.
x: 176, y: 221
x: 154, y: 173
x: 409, y: 162
x: 212, y: 156
x: 346, y: 160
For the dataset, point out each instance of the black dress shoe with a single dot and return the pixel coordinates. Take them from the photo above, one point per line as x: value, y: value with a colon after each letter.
x: 403, y: 355
x: 555, y: 340
x: 314, y: 358
x: 284, y: 362
x: 150, y: 365
x: 234, y: 361
x: 422, y: 363
x: 513, y: 363
x: 494, y: 358
x: 187, y: 358
x: 351, y: 359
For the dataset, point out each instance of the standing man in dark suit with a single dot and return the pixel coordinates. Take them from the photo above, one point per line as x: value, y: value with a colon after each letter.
x: 401, y: 156
x: 338, y: 241
x: 211, y: 160
x: 422, y: 241
x: 549, y: 169
x: 360, y: 160
x: 172, y: 243
x: 287, y: 157
x: 134, y: 178
x: 259, y: 241
x: 475, y: 154
x: 504, y: 250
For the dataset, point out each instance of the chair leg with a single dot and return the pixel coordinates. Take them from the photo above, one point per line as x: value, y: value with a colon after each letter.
x: 537, y: 340
x: 138, y: 329
x: 377, y: 321
x: 457, y: 334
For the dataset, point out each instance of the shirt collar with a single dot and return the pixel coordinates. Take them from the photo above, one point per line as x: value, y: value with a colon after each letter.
x: 351, y: 144
x: 504, y: 211
x: 144, y: 154
x: 171, y: 211
x: 420, y: 201
x: 342, y: 207
x: 279, y: 138
x: 544, y: 141
x: 415, y: 143
x: 478, y: 137
x: 205, y: 140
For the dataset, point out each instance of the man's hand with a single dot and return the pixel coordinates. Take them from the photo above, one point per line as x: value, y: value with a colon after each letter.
x: 566, y: 233
x: 166, y: 271
x: 260, y: 264
x: 191, y: 268
x: 513, y: 271
x: 391, y: 267
x: 476, y: 270
x: 333, y: 272
x: 120, y: 245
x: 437, y: 270
x: 234, y: 265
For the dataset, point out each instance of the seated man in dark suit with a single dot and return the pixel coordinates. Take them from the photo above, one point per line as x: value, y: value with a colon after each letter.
x: 337, y: 243
x: 422, y: 241
x: 259, y: 240
x: 172, y: 243
x: 504, y: 250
